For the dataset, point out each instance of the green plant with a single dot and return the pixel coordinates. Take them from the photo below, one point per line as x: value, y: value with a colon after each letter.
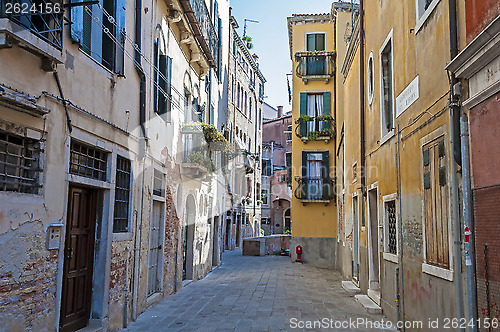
x: 325, y: 132
x: 304, y: 117
x: 312, y: 135
x: 325, y: 117
x: 287, y: 231
x: 248, y: 41
x: 210, y: 133
x: 200, y: 159
x: 262, y: 233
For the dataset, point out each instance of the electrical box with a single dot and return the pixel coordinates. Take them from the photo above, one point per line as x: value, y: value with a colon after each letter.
x: 55, y: 231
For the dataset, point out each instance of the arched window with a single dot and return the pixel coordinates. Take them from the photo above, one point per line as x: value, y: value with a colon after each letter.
x: 371, y: 80
x: 246, y: 103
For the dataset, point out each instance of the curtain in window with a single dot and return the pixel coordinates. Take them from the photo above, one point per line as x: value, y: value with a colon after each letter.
x: 314, y: 109
x: 314, y: 176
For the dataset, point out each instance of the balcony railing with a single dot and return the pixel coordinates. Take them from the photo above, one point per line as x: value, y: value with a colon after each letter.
x: 321, y: 128
x: 44, y: 18
x: 315, y: 66
x: 312, y: 189
x: 200, y: 20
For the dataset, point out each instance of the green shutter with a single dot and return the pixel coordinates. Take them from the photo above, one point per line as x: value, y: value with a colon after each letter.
x: 303, y: 184
x: 327, y: 189
x: 326, y: 110
x: 155, y: 78
x: 303, y: 111
x: 169, y: 88
x: 120, y: 35
x: 162, y: 103
x: 77, y: 22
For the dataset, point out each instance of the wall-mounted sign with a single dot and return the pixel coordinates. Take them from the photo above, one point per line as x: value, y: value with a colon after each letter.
x: 407, y: 97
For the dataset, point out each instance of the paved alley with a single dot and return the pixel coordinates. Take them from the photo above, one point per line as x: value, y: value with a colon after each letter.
x: 256, y: 294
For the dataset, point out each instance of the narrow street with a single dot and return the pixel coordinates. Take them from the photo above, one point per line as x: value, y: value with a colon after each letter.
x: 255, y: 294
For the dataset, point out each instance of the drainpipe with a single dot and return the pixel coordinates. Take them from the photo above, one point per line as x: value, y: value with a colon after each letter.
x: 400, y: 295
x: 362, y: 114
x: 455, y: 144
x: 125, y: 288
x: 142, y: 119
x: 470, y: 255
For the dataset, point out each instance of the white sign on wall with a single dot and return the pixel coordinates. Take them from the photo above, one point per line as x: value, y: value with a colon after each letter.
x: 407, y: 97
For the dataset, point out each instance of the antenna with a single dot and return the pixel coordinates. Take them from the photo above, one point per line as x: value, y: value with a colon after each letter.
x: 245, y: 26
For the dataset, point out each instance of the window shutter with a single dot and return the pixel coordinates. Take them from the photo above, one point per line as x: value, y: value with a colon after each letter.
x: 77, y: 22
x: 120, y: 35
x: 326, y: 109
x: 303, y: 184
x: 169, y: 88
x: 326, y: 176
x: 162, y: 103
x: 155, y: 76
x: 303, y: 111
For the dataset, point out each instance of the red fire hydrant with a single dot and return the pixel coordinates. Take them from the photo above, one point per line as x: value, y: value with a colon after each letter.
x: 298, y: 251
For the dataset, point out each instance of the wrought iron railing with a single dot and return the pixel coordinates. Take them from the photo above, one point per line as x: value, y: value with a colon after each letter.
x: 200, y: 19
x: 315, y: 189
x: 320, y: 64
x: 44, y: 18
x: 314, y: 128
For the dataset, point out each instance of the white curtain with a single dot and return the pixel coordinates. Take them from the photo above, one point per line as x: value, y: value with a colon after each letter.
x: 314, y: 180
x: 314, y: 109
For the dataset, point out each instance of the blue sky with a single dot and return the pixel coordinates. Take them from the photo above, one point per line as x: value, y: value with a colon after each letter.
x: 270, y: 38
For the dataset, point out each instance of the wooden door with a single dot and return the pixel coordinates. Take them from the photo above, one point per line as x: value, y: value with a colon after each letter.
x: 155, y: 256
x: 78, y: 258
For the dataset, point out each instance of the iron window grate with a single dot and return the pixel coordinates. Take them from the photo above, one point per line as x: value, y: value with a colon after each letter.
x: 87, y: 161
x: 122, y: 195
x: 42, y: 17
x: 391, y: 218
x: 19, y: 163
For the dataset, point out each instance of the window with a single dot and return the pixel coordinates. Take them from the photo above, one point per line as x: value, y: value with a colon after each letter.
x: 265, y: 221
x: 87, y: 161
x: 265, y: 194
x: 424, y: 9
x: 315, y: 42
x: 371, y: 81
x: 266, y: 167
x: 313, y: 106
x: 122, y: 195
x: 387, y: 86
x: 89, y: 32
x: 390, y: 221
x: 250, y: 108
x: 19, y: 163
x: 158, y: 183
x: 315, y: 176
x: 162, y: 82
x: 435, y: 189
x: 288, y: 163
x: 289, y: 133
x: 48, y: 27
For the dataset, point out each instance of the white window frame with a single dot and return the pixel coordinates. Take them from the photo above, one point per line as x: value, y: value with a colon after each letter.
x: 447, y: 274
x: 315, y: 33
x: 387, y: 136
x: 387, y: 255
x: 421, y: 19
x: 371, y: 94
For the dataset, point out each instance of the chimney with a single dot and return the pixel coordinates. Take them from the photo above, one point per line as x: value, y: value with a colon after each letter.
x: 280, y: 111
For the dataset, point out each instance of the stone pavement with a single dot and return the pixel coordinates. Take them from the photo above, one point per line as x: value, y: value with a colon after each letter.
x: 257, y: 294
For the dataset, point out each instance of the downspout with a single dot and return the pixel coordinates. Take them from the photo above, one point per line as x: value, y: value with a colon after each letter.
x: 142, y: 120
x: 335, y: 118
x: 470, y: 254
x: 455, y: 144
x: 362, y: 114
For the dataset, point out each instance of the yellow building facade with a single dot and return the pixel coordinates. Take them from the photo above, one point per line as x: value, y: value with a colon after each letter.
x: 313, y: 53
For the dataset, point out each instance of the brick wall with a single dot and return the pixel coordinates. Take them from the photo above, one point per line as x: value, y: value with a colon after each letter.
x: 28, y: 280
x: 487, y: 214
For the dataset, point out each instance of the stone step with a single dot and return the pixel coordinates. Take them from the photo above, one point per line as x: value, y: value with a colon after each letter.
x: 374, y: 295
x: 368, y: 304
x: 350, y: 288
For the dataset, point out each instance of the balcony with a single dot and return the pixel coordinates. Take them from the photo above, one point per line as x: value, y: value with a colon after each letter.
x: 321, y: 128
x: 315, y: 190
x: 200, y: 21
x: 196, y: 161
x: 41, y: 34
x: 315, y: 66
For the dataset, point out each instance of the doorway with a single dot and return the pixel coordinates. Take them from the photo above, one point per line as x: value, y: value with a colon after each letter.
x: 155, y: 255
x: 215, y: 242
x: 228, y: 230
x: 355, y: 232
x: 187, y: 252
x: 373, y: 235
x: 78, y: 258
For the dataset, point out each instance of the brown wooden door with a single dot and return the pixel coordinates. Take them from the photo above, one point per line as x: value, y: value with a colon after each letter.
x: 78, y: 259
